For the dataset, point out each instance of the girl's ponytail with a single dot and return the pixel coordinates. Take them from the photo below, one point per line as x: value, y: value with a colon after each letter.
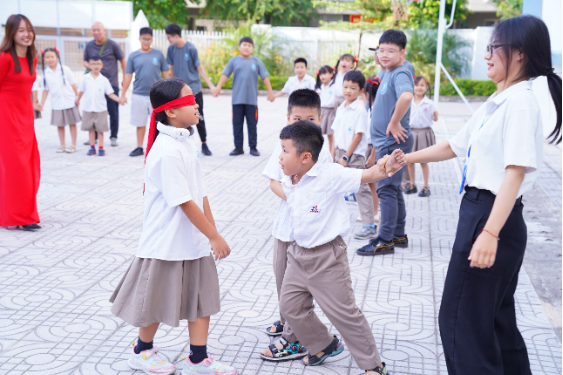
x: 319, y: 83
x: 554, y: 84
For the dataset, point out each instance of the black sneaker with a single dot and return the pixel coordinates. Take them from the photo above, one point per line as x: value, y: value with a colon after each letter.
x: 425, y: 192
x: 137, y: 152
x: 402, y: 241
x: 205, y: 150
x: 254, y: 151
x: 237, y: 151
x: 376, y: 246
x: 410, y: 189
x: 31, y: 227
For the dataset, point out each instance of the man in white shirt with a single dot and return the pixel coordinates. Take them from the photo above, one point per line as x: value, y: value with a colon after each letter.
x: 317, y: 265
x: 95, y: 110
x: 301, y: 80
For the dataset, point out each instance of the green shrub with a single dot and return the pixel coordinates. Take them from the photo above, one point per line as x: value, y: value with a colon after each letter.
x: 468, y: 87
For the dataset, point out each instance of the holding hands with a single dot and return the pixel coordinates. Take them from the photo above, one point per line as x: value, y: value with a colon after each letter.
x: 391, y: 164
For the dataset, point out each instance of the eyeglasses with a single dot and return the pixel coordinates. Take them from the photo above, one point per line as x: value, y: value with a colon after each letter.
x: 491, y: 48
x: 385, y: 53
x: 146, y: 39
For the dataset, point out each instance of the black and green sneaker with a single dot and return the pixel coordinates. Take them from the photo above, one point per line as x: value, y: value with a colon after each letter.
x: 379, y: 370
x: 410, y: 189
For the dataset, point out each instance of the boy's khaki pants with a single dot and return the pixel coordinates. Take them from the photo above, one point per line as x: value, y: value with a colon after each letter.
x: 280, y: 265
x: 363, y: 196
x: 323, y: 273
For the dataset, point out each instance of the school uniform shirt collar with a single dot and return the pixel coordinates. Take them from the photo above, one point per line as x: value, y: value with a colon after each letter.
x: 313, y: 172
x: 353, y: 106
x: 176, y: 133
x: 424, y: 100
x: 497, y: 99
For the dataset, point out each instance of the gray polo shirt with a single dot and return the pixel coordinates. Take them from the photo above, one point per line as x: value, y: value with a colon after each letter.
x: 147, y: 68
x: 185, y: 61
x: 111, y: 54
x: 393, y: 84
x: 245, y: 78
x: 409, y: 66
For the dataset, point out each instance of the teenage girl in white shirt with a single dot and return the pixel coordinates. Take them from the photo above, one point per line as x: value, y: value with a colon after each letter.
x: 173, y: 276
x: 502, y: 146
x: 59, y: 81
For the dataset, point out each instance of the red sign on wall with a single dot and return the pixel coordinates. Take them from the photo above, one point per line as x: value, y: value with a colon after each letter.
x: 355, y: 18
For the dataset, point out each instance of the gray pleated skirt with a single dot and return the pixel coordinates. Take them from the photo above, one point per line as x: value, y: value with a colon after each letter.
x: 327, y: 118
x: 63, y: 117
x: 423, y: 138
x: 154, y: 290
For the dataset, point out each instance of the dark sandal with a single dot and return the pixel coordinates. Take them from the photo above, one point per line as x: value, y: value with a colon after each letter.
x: 291, y: 350
x: 335, y: 348
x: 279, y: 329
x: 378, y: 369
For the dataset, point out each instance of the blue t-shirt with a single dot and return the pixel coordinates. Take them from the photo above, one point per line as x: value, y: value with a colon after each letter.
x: 147, y: 68
x: 245, y: 78
x: 392, y: 85
x: 185, y: 61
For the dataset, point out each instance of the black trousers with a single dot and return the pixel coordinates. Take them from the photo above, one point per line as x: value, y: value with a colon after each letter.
x: 201, y: 124
x: 477, y: 317
x: 113, y: 110
x: 240, y: 112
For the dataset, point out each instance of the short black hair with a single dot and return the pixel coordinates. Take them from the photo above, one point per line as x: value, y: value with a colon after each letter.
x: 145, y: 30
x: 300, y: 60
x: 95, y: 58
x: 173, y: 29
x: 355, y: 76
x: 246, y: 39
x: 394, y: 37
x: 306, y: 136
x: 306, y: 98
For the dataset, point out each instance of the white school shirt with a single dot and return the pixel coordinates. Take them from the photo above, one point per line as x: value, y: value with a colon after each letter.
x: 338, y: 82
x: 421, y: 114
x: 348, y: 122
x: 293, y: 84
x: 318, y: 212
x: 62, y: 94
x: 326, y: 92
x: 93, y: 99
x: 172, y: 177
x: 511, y: 135
x: 282, y: 221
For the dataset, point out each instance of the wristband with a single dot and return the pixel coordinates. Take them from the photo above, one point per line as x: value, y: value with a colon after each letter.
x: 345, y: 158
x: 495, y: 236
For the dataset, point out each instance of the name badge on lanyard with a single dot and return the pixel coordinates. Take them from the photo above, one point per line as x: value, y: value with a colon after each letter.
x: 464, y: 174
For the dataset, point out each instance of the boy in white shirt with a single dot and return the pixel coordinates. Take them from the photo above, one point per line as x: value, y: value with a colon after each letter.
x: 317, y: 262
x: 301, y: 80
x: 351, y: 126
x: 303, y: 104
x: 95, y: 110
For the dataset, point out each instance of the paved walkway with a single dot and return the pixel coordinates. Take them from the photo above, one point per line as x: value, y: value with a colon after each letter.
x: 55, y: 284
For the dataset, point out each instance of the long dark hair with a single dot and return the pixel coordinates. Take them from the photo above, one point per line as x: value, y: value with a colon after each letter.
x: 346, y: 56
x: 323, y: 70
x: 8, y: 44
x: 54, y: 50
x: 162, y: 92
x: 529, y: 35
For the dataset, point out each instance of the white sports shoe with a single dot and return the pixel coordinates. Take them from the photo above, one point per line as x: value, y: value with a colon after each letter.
x: 207, y: 367
x: 150, y: 362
